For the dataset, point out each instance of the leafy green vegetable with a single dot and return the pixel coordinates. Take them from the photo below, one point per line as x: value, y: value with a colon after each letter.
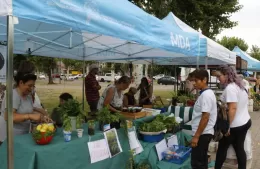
x: 161, y: 122
x: 105, y: 116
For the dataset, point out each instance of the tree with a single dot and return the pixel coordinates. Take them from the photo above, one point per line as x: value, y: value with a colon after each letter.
x: 45, y: 64
x: 210, y: 16
x: 231, y: 42
x: 255, y: 52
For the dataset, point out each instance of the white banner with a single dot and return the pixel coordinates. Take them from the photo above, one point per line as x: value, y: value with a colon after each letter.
x: 3, y: 53
x: 5, y: 7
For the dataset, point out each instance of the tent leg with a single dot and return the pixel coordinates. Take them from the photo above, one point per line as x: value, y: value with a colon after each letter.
x: 206, y: 63
x: 9, y: 94
x: 83, y: 84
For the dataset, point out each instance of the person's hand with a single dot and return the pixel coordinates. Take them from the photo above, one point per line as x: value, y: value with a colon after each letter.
x: 228, y: 133
x: 99, y: 87
x: 35, y: 117
x: 194, y: 141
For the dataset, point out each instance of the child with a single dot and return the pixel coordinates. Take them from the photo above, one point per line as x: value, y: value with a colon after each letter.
x: 203, y: 120
x: 55, y: 116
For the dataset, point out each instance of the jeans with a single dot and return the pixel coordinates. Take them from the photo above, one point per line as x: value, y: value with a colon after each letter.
x: 199, y: 154
x: 236, y: 139
x: 93, y: 106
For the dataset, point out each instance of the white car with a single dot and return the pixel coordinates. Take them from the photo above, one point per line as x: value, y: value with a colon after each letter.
x: 71, y: 77
x: 107, y: 77
x: 42, y: 77
x: 158, y: 76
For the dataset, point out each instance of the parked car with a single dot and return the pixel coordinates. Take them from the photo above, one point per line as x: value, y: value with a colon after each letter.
x: 167, y: 80
x: 42, y: 77
x: 107, y: 77
x: 71, y: 77
x: 158, y: 76
x: 55, y: 76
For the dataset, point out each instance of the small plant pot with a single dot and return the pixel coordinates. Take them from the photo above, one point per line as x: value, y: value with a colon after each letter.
x: 80, y: 133
x: 174, y: 101
x: 67, y: 136
x: 115, y: 125
x: 91, y: 129
x: 73, y: 121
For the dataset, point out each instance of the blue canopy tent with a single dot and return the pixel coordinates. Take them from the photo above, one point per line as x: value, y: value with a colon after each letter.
x: 211, y: 52
x: 93, y: 30
x: 252, y: 63
x: 86, y: 30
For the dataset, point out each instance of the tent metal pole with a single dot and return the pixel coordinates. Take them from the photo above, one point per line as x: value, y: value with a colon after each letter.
x: 83, y: 80
x: 152, y: 75
x: 206, y: 62
x: 9, y: 91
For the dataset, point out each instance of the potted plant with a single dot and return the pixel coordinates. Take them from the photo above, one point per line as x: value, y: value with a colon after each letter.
x: 182, y: 100
x: 174, y: 98
x: 71, y: 113
x: 106, y: 117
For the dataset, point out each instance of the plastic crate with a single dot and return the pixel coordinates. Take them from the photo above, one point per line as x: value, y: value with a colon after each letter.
x: 176, y: 154
x: 153, y: 138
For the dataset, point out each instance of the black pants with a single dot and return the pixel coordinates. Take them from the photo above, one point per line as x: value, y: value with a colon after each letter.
x: 236, y: 139
x: 199, y: 154
x: 93, y: 106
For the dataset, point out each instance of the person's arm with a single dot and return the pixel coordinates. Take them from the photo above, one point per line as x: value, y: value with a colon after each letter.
x: 231, y: 100
x: 203, y: 123
x: 109, y: 98
x: 40, y: 110
x: 150, y: 91
x: 17, y: 117
x: 206, y: 107
x: 125, y: 101
x: 232, y: 109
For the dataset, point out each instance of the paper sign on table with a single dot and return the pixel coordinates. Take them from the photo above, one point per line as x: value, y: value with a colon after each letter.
x: 134, y: 142
x: 113, y: 142
x: 173, y: 140
x: 160, y: 148
x: 98, y: 150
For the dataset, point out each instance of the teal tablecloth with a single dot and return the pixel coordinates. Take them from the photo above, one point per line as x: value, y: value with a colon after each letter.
x: 61, y: 155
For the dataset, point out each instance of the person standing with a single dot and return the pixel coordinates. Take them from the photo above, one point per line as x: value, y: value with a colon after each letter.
x: 236, y: 98
x: 203, y: 120
x: 92, y: 88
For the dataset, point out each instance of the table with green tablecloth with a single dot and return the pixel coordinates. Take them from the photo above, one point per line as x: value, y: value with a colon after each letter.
x: 62, y: 155
x: 75, y: 154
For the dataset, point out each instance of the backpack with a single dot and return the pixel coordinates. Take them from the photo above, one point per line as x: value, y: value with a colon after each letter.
x: 222, y: 123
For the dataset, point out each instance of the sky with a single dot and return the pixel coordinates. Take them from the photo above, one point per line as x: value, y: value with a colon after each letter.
x: 248, y: 23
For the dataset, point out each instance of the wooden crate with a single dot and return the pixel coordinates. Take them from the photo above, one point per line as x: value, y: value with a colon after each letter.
x: 133, y: 116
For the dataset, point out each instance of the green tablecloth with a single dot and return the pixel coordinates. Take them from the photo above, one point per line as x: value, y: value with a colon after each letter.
x: 150, y: 154
x: 61, y: 155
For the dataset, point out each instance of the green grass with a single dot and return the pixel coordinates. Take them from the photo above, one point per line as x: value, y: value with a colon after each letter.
x: 49, y: 94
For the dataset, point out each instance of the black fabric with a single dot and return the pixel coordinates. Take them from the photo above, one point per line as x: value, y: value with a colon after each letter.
x: 236, y: 139
x: 255, y: 88
x: 222, y: 124
x: 199, y: 154
x: 131, y: 99
x: 93, y: 107
x: 56, y: 117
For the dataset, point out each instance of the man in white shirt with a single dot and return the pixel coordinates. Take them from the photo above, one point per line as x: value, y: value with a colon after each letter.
x: 203, y: 120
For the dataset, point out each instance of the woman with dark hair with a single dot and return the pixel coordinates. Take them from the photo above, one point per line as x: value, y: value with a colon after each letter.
x: 113, y: 95
x: 146, y: 91
x: 23, y: 111
x: 236, y: 97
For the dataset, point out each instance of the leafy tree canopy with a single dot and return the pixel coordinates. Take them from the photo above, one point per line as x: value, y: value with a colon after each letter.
x: 211, y: 16
x: 231, y: 42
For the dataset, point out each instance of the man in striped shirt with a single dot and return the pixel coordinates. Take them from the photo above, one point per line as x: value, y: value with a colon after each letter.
x: 92, y: 88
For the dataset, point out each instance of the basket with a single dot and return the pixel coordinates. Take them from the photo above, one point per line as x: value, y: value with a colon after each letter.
x: 176, y: 154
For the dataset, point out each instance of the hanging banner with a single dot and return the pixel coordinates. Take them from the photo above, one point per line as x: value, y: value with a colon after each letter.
x: 2, y: 64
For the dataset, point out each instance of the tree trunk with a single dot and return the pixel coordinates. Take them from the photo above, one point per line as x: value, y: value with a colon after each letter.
x: 50, y: 76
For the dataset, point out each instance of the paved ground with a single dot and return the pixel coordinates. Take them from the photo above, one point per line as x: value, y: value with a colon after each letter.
x: 256, y: 139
